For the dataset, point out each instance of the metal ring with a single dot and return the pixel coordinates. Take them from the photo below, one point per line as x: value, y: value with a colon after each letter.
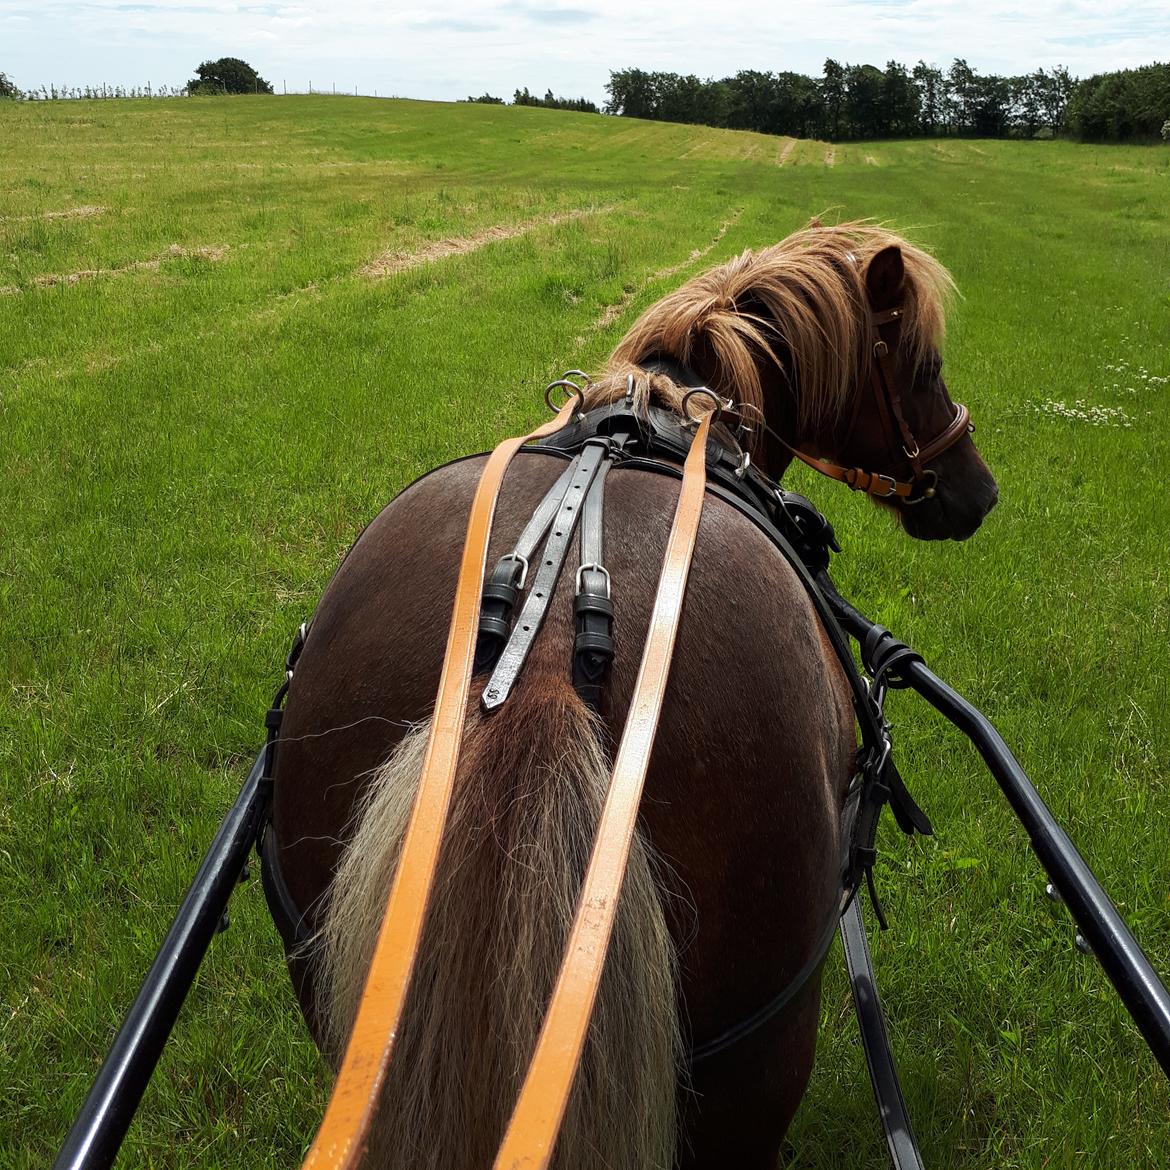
x: 691, y: 422
x: 928, y: 492
x: 745, y: 461
x: 571, y: 386
x: 578, y: 374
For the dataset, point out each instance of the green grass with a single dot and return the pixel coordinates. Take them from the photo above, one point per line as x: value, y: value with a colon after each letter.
x: 191, y: 437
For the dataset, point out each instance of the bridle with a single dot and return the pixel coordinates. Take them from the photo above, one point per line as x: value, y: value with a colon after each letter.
x: 881, y: 398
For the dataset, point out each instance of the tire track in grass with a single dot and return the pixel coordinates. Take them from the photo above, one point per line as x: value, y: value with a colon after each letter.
x: 612, y: 312
x: 85, y: 211
x: 212, y: 252
x: 393, y: 262
x: 785, y: 150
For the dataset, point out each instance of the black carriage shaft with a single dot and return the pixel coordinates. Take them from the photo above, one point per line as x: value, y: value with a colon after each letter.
x: 105, y: 1116
x: 1124, y: 962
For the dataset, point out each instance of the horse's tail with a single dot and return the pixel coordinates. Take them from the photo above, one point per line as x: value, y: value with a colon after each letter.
x: 531, y: 783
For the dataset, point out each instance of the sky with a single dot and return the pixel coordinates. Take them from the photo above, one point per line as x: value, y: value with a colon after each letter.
x: 446, y: 51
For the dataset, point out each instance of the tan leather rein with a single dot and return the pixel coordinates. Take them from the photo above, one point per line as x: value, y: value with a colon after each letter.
x: 531, y: 1135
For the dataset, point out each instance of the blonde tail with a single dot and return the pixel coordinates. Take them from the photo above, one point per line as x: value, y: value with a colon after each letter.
x: 532, y: 780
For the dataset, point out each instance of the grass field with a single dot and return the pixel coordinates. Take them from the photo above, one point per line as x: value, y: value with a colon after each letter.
x: 229, y: 331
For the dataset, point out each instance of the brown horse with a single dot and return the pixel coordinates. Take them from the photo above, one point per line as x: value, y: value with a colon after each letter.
x: 736, y: 867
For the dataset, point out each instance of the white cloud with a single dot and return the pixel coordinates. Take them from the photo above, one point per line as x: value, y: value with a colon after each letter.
x: 448, y: 50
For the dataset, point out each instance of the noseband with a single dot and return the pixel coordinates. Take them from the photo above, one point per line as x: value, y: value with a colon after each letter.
x: 884, y: 400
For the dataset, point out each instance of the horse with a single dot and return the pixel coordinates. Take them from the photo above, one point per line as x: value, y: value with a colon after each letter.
x: 736, y: 863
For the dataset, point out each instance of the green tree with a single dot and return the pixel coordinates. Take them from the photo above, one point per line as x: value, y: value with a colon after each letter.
x: 864, y: 107
x: 8, y: 87
x: 631, y: 93
x: 900, y: 101
x: 227, y: 75
x: 932, y: 93
x: 833, y: 96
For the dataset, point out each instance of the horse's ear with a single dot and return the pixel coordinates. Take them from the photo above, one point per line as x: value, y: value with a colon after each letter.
x: 885, y: 278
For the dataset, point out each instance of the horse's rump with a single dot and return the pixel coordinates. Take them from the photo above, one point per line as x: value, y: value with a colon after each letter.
x: 742, y: 802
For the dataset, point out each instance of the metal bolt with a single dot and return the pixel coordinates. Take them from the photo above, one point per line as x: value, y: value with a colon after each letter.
x: 1082, y: 944
x: 1053, y: 894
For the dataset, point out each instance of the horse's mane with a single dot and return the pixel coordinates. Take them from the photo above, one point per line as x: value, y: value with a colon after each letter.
x: 796, y: 303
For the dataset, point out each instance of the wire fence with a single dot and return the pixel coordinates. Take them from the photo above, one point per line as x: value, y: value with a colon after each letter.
x: 103, y: 91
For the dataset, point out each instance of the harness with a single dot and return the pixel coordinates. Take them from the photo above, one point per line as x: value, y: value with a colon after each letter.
x: 517, y: 592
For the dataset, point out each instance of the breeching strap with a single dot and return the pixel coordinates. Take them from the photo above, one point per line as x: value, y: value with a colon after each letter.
x: 341, y: 1140
x: 531, y: 1135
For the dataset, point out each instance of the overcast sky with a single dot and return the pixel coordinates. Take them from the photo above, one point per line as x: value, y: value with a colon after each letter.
x: 447, y: 51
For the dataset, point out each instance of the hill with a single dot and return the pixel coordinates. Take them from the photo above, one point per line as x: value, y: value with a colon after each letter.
x: 231, y: 329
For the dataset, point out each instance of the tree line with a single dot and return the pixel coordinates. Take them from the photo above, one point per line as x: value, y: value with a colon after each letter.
x: 1125, y: 106
x: 861, y: 101
x: 549, y: 102
x: 853, y: 101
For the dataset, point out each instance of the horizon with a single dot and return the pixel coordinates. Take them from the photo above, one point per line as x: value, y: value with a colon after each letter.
x: 445, y: 55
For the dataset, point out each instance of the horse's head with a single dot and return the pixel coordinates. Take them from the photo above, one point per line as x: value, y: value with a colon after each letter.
x: 902, y: 438
x: 832, y: 335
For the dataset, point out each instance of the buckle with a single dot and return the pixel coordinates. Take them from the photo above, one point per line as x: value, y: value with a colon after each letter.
x: 597, y: 568
x: 515, y: 556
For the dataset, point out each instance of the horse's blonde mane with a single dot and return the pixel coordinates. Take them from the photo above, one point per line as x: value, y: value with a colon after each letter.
x: 797, y: 303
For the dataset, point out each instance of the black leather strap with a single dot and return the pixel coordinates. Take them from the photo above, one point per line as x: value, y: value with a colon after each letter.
x: 593, y: 647
x: 508, y: 578
x: 758, y: 1019
x: 883, y: 1072
x: 552, y: 557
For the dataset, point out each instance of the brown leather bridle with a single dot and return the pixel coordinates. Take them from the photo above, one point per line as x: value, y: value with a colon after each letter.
x: 882, y: 398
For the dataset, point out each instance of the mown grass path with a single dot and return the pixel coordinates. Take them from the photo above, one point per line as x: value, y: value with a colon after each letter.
x: 231, y: 330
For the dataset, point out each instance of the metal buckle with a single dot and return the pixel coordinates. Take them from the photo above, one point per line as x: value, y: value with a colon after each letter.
x: 515, y: 556
x: 597, y: 568
x: 891, y: 486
